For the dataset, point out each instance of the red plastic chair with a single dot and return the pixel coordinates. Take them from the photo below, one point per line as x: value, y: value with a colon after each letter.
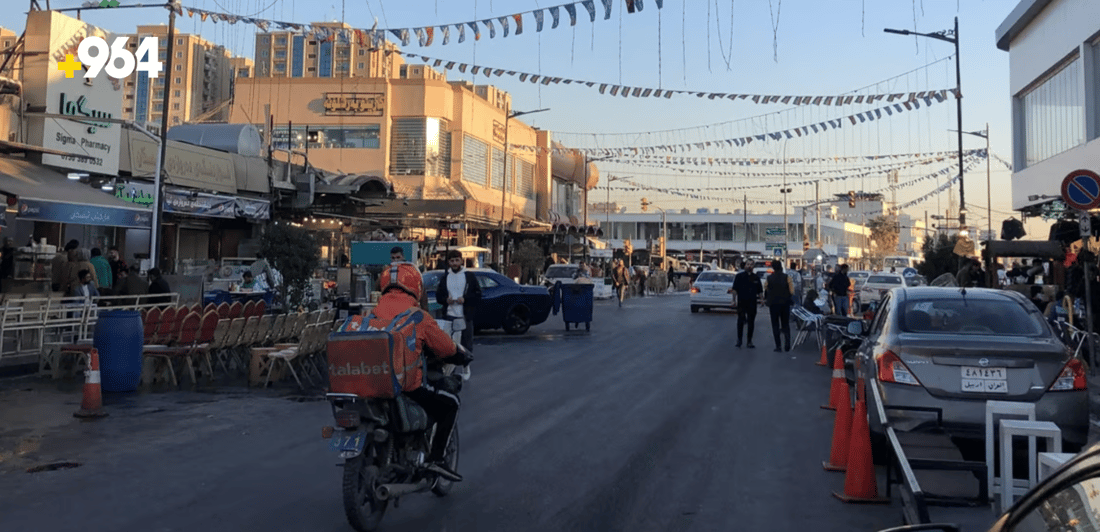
x: 165, y: 330
x: 260, y: 308
x: 223, y: 310
x: 235, y: 310
x: 152, y: 323
x: 249, y: 307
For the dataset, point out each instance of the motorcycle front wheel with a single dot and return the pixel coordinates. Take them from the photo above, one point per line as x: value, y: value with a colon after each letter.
x: 364, y: 512
x: 442, y: 486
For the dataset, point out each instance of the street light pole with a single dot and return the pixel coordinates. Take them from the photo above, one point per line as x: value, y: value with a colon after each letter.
x: 988, y: 200
x: 953, y: 39
x: 508, y: 116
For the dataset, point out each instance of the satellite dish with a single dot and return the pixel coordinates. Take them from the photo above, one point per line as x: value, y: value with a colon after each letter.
x: 227, y: 271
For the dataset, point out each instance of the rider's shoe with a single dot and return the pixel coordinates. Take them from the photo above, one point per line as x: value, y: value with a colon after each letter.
x: 443, y: 471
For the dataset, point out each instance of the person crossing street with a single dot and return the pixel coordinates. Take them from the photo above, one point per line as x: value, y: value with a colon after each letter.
x: 778, y: 293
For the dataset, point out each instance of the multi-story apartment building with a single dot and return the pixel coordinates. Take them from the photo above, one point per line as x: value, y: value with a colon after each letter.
x: 14, y: 68
x: 294, y: 55
x: 200, y: 83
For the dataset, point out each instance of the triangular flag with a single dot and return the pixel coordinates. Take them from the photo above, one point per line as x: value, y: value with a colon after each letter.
x: 554, y: 15
x: 629, y: 6
x: 504, y: 24
x: 603, y: 86
x: 461, y: 32
x: 614, y: 90
x: 475, y: 70
x: 430, y: 31
x: 462, y: 67
x: 591, y: 7
x: 492, y: 29
x: 523, y: 77
x: 572, y: 10
x: 446, y: 31
x: 538, y: 20
x: 477, y: 32
x: 607, y: 9
x: 519, y: 23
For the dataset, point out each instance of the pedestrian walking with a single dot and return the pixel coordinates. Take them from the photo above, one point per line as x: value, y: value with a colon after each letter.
x: 779, y: 296
x: 839, y: 285
x: 748, y: 288
x: 620, y: 279
x: 460, y: 294
x: 671, y: 272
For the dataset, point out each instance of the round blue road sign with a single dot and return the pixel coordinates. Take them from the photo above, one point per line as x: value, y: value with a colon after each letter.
x: 909, y: 272
x: 1081, y: 190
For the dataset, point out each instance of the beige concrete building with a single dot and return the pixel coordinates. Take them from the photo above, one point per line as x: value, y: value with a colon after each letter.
x: 294, y: 55
x: 14, y: 69
x: 438, y: 145
x: 200, y: 84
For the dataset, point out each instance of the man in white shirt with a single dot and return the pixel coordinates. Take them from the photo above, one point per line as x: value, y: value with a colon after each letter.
x: 459, y: 293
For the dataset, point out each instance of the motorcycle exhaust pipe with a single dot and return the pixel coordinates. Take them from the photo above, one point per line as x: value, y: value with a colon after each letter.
x: 392, y: 491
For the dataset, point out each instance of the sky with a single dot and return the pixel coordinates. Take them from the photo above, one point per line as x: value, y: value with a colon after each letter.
x: 768, y: 47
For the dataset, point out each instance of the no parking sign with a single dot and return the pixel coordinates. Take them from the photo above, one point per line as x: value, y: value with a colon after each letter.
x: 1081, y: 190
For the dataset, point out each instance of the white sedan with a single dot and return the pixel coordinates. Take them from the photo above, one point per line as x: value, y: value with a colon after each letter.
x: 713, y: 289
x: 876, y: 286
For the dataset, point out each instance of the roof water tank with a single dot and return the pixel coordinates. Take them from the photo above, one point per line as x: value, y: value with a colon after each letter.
x: 243, y: 139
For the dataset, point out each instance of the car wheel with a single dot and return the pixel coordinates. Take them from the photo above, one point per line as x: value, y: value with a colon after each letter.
x: 518, y: 320
x: 694, y: 309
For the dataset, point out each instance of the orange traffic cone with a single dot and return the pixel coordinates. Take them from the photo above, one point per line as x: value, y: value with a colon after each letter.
x: 92, y: 404
x: 824, y: 356
x: 842, y: 431
x: 860, y: 484
x: 839, y: 388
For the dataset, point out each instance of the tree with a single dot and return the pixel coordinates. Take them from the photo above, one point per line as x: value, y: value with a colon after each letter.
x: 293, y: 252
x: 884, y: 231
x: 529, y: 256
x: 939, y: 256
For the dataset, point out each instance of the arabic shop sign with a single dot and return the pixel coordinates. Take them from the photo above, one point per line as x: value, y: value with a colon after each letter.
x: 185, y: 165
x: 498, y: 132
x: 140, y: 194
x: 82, y: 214
x: 199, y: 204
x: 76, y: 108
x: 354, y: 103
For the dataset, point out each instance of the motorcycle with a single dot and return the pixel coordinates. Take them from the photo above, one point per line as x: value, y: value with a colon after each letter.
x: 384, y: 454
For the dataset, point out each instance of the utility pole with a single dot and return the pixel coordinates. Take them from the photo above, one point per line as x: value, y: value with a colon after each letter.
x: 745, y: 213
x: 817, y: 207
x: 508, y: 116
x: 155, y: 235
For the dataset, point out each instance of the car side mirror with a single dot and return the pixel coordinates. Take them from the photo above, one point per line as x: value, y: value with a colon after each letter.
x: 855, y: 328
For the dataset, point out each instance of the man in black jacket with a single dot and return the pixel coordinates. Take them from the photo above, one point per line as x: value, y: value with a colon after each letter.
x: 460, y: 295
x: 778, y: 293
x: 748, y: 289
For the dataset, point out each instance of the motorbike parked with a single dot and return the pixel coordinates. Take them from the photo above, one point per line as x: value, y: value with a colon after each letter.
x: 384, y: 443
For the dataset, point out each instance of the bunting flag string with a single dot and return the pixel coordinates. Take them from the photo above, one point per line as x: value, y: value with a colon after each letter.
x: 681, y: 191
x: 905, y: 98
x: 752, y: 161
x: 801, y: 131
x: 425, y: 34
x: 879, y: 168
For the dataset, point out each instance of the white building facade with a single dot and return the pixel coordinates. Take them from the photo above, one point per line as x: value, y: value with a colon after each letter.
x: 1054, y: 82
x: 726, y: 232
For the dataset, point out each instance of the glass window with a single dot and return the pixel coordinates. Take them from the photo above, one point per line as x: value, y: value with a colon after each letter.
x: 365, y: 136
x: 723, y: 232
x: 325, y: 61
x: 296, y: 58
x: 280, y: 54
x: 715, y: 277
x: 475, y: 160
x: 1054, y: 114
x: 407, y: 146
x: 1000, y: 316
x: 498, y: 168
x: 280, y: 41
x: 486, y: 282
x: 177, y: 93
x: 280, y: 67
x: 179, y: 55
x: 526, y: 179
x: 884, y: 279
x: 179, y: 42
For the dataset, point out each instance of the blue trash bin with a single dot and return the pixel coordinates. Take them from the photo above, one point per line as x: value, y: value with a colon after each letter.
x: 118, y: 338
x: 576, y: 304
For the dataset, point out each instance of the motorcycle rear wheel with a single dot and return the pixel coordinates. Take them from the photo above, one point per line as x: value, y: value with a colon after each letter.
x: 364, y: 513
x: 442, y: 486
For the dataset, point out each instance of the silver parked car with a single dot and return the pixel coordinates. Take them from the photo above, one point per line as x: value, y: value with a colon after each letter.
x: 953, y: 350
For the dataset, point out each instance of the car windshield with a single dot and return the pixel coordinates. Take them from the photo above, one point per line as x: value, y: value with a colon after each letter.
x: 715, y: 277
x: 557, y: 272
x: 859, y: 275
x: 897, y: 262
x: 884, y: 279
x: 970, y: 316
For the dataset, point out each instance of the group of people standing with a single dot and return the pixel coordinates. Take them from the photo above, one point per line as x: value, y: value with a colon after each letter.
x: 80, y: 272
x: 622, y: 279
x: 777, y: 291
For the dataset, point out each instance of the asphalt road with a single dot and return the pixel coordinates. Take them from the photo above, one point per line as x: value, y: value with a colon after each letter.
x: 652, y: 421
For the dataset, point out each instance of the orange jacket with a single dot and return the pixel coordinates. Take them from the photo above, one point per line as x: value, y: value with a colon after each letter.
x: 428, y: 332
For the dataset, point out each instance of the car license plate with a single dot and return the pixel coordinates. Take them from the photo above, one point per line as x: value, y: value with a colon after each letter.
x: 353, y: 442
x: 984, y: 380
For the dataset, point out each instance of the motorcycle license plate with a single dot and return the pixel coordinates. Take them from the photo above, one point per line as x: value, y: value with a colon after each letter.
x: 349, y: 442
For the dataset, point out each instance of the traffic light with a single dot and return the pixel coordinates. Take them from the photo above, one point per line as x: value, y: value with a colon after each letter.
x: 852, y: 199
x: 805, y: 245
x: 645, y: 205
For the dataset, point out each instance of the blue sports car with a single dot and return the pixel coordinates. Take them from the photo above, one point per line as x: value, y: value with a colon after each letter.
x: 504, y: 303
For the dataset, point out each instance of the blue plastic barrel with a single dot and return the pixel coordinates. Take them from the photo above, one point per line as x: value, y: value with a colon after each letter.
x: 118, y: 337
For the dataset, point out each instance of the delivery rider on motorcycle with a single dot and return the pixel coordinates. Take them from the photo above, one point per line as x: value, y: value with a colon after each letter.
x: 402, y: 286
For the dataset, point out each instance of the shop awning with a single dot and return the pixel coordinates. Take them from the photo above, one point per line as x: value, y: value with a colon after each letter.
x: 47, y: 195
